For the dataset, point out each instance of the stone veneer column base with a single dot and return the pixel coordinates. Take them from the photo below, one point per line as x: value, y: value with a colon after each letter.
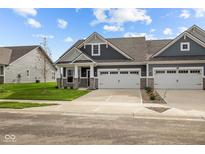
x: 75, y: 83
x: 92, y: 83
x: 142, y: 83
x: 151, y: 82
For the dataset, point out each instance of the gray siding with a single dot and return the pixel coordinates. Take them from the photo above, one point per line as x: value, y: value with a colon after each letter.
x: 106, y: 53
x: 143, y: 68
x: 151, y: 66
x: 174, y: 50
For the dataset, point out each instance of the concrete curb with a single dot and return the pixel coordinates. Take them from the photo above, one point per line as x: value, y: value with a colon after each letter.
x: 131, y: 115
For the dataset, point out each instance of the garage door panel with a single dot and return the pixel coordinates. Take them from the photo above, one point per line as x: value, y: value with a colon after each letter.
x: 119, y: 79
x: 178, y: 79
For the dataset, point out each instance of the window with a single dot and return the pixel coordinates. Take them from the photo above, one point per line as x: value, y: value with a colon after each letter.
x: 134, y: 72
x: 185, y: 46
x: 124, y: 72
x: 64, y: 72
x: 27, y: 73
x: 171, y: 71
x: 70, y: 75
x: 183, y: 71
x: 96, y: 50
x: 1, y: 70
x: 113, y: 72
x: 102, y: 73
x: 84, y: 72
x: 195, y: 71
x: 160, y: 72
x: 53, y: 75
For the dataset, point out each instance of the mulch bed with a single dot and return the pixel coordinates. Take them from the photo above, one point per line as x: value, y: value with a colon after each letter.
x: 146, y: 98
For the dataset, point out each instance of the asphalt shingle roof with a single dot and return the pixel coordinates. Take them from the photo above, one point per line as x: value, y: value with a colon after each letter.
x: 19, y: 51
x: 5, y: 55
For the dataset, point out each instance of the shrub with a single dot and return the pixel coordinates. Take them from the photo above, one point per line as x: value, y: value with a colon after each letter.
x: 152, y: 97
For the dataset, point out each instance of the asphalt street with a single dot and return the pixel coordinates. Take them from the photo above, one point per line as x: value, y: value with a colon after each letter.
x: 18, y: 128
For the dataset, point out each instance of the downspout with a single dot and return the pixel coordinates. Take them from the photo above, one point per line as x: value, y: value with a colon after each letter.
x: 147, y: 74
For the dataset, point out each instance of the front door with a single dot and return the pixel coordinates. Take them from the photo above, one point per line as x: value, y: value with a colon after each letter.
x: 88, y: 75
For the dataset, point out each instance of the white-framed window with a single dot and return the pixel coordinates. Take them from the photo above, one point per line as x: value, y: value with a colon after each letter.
x: 95, y: 49
x: 27, y: 73
x: 53, y: 75
x: 1, y: 70
x: 185, y: 46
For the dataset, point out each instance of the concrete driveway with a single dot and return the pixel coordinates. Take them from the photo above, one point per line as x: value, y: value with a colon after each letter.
x: 185, y: 99
x: 112, y: 101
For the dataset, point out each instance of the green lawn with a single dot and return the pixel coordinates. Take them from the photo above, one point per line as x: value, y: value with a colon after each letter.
x: 21, y: 105
x: 38, y: 91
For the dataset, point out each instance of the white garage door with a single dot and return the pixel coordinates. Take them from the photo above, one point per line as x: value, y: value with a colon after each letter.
x: 183, y: 78
x: 122, y: 78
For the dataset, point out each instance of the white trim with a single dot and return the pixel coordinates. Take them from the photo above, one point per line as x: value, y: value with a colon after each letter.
x: 89, y: 37
x: 82, y: 54
x: 92, y: 50
x: 93, y: 43
x: 176, y: 39
x: 184, y: 43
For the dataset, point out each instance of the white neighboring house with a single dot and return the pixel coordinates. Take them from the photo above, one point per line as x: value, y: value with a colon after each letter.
x: 25, y: 64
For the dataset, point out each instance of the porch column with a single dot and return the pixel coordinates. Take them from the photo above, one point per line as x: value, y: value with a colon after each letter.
x: 92, y: 80
x: 75, y: 80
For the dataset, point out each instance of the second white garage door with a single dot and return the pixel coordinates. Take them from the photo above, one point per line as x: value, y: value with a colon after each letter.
x: 118, y: 78
x: 182, y: 78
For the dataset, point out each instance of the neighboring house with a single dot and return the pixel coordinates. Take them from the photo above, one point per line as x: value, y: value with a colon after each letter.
x: 25, y: 64
x: 135, y: 62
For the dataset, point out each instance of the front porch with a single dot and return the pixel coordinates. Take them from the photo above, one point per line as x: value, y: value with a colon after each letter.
x: 77, y: 76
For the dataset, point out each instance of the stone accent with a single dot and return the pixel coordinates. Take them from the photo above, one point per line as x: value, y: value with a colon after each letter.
x: 96, y: 83
x: 59, y: 83
x: 75, y: 83
x: 83, y: 82
x: 203, y: 83
x: 151, y: 82
x: 142, y: 83
x: 92, y: 83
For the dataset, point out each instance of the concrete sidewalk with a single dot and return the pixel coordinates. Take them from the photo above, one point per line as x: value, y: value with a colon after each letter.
x: 120, y: 109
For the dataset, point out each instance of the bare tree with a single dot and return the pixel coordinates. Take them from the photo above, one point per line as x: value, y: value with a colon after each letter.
x: 44, y: 44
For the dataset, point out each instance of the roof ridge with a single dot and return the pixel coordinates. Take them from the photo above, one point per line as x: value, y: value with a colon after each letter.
x: 20, y: 46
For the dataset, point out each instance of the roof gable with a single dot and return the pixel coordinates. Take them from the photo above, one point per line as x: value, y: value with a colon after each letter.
x: 182, y: 35
x: 83, y: 58
x: 19, y: 51
x: 70, y: 56
x: 97, y: 38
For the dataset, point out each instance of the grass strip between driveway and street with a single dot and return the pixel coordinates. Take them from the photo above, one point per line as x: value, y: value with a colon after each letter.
x: 22, y: 105
x: 39, y: 91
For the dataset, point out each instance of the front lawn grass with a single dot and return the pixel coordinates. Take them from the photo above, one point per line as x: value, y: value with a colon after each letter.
x: 21, y: 105
x: 39, y: 91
